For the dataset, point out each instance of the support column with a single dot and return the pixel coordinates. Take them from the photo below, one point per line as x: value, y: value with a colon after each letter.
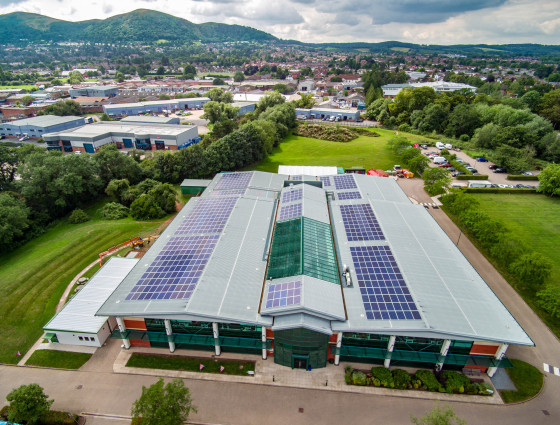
x: 169, y: 332
x: 443, y: 353
x: 122, y: 329
x: 216, y: 333
x: 499, y: 356
x: 390, y: 347
x: 338, y: 346
x: 263, y: 339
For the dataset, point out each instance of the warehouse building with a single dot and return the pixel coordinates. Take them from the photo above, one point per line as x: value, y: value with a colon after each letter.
x: 312, y: 269
x: 125, y: 135
x: 94, y: 91
x: 38, y: 126
x: 327, y: 113
x: 156, y: 106
x: 151, y: 120
x: 391, y: 90
x: 244, y: 107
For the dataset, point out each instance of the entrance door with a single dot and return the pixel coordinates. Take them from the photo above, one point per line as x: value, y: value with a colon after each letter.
x: 299, y: 362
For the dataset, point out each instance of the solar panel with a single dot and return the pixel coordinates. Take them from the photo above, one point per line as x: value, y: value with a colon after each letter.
x: 360, y: 223
x: 290, y: 211
x: 208, y: 216
x: 382, y: 286
x: 326, y: 181
x: 284, y: 294
x: 292, y: 195
x: 233, y: 192
x: 348, y: 195
x: 300, y: 178
x: 345, y: 181
x: 234, y: 181
x: 175, y: 271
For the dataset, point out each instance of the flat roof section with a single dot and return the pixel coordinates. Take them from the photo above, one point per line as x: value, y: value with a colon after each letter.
x: 45, y: 120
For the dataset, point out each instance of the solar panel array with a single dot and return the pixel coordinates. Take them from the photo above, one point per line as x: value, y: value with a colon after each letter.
x: 326, y: 181
x: 284, y: 294
x: 345, y: 181
x: 360, y: 223
x: 384, y: 292
x: 290, y: 211
x: 300, y: 178
x: 234, y: 181
x: 208, y: 216
x: 175, y: 271
x: 292, y: 195
x: 348, y: 195
x: 233, y: 192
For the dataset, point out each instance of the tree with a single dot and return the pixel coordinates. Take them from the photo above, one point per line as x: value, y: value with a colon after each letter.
x: 160, y: 404
x: 439, y: 416
x: 114, y: 211
x: 189, y: 71
x: 164, y: 97
x: 216, y: 112
x: 219, y: 95
x: 436, y: 180
x: 27, y: 100
x: 62, y: 108
x: 549, y: 300
x: 532, y: 269
x: 160, y: 70
x: 13, y: 220
x: 549, y: 180
x: 119, y: 77
x: 531, y: 100
x: 117, y: 187
x: 218, y: 82
x: 105, y: 117
x: 9, y: 161
x: 549, y: 107
x: 269, y: 100
x: 75, y: 77
x: 114, y: 165
x: 307, y: 101
x: 239, y: 77
x: 78, y: 216
x: 28, y: 404
x: 281, y: 88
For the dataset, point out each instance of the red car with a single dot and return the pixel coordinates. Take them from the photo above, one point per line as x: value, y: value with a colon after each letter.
x: 417, y: 146
x: 445, y: 165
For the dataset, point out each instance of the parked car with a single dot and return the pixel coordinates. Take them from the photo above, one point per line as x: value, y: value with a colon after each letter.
x: 527, y: 173
x: 500, y: 170
x: 424, y: 146
x: 459, y: 160
x: 481, y: 159
x: 458, y: 173
x: 450, y: 169
x: 472, y: 170
x: 494, y: 185
x: 493, y: 166
x: 416, y: 145
x: 397, y: 168
x: 503, y: 186
x: 445, y: 165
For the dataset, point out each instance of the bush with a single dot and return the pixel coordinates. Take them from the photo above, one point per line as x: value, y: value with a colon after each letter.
x: 521, y: 177
x: 78, y: 216
x: 384, y: 375
x: 549, y: 300
x: 428, y: 380
x: 497, y: 190
x: 402, y: 379
x: 358, y: 378
x: 114, y: 211
x: 334, y: 133
x: 455, y: 382
x: 472, y: 177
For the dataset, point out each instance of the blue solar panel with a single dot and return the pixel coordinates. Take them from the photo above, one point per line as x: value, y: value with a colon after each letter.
x: 345, y: 181
x: 292, y: 195
x: 298, y: 177
x: 208, y: 216
x: 234, y: 180
x: 290, y: 211
x: 175, y: 271
x: 382, y: 286
x: 233, y: 192
x: 360, y: 223
x: 348, y: 195
x: 326, y: 181
x: 284, y: 294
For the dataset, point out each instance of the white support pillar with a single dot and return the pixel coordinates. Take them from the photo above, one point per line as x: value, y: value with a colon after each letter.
x: 263, y: 339
x: 499, y: 356
x: 443, y: 353
x: 169, y: 332
x: 122, y: 328
x: 216, y: 333
x: 390, y: 347
x: 338, y: 345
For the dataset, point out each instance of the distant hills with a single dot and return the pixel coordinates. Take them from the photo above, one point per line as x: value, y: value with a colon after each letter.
x: 140, y: 25
x: 149, y: 26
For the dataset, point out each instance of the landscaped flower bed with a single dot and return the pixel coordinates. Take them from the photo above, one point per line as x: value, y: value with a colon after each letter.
x: 447, y: 381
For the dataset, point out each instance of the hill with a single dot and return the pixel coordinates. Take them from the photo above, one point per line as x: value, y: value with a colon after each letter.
x: 140, y: 25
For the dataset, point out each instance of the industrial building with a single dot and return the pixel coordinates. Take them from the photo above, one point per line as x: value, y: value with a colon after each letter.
x: 40, y: 125
x: 391, y: 90
x: 125, y: 135
x: 156, y: 106
x: 322, y: 113
x: 308, y: 270
x: 151, y: 120
x: 244, y: 107
x: 94, y: 91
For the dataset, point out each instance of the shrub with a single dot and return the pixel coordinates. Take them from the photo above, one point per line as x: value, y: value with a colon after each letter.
x: 521, y: 177
x: 455, y: 382
x: 78, y: 216
x: 498, y: 190
x: 402, y: 379
x: 384, y: 375
x: 549, y: 300
x: 358, y: 378
x: 334, y: 133
x: 472, y: 177
x: 114, y: 211
x: 428, y: 380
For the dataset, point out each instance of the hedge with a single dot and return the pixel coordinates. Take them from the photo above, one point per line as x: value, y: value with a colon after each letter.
x: 497, y: 190
x: 472, y: 177
x: 521, y: 177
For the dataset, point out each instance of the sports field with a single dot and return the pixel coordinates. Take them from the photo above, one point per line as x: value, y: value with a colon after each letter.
x: 368, y: 152
x: 34, y: 276
x: 533, y: 218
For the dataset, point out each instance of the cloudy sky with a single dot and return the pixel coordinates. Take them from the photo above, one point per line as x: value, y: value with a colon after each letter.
x: 417, y: 21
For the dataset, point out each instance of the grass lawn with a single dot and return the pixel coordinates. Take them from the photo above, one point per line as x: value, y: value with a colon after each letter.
x: 23, y: 86
x: 58, y: 359
x: 368, y: 152
x: 527, y: 379
x: 34, y: 276
x: 191, y: 364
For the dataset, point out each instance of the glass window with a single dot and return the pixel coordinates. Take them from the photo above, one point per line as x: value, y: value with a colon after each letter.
x: 81, y: 338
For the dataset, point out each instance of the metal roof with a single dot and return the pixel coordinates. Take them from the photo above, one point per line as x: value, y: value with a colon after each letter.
x: 78, y: 315
x: 46, y: 120
x: 307, y: 170
x: 453, y: 301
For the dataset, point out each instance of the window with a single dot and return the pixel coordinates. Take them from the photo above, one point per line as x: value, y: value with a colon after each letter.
x: 80, y: 338
x: 92, y: 339
x: 86, y: 338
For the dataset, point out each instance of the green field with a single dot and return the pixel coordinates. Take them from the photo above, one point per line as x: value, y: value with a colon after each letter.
x: 58, y: 359
x: 34, y: 276
x: 527, y: 379
x: 368, y: 152
x: 533, y: 218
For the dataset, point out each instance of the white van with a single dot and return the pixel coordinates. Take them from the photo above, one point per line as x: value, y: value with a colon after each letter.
x: 448, y: 146
x: 440, y: 145
x: 439, y: 160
